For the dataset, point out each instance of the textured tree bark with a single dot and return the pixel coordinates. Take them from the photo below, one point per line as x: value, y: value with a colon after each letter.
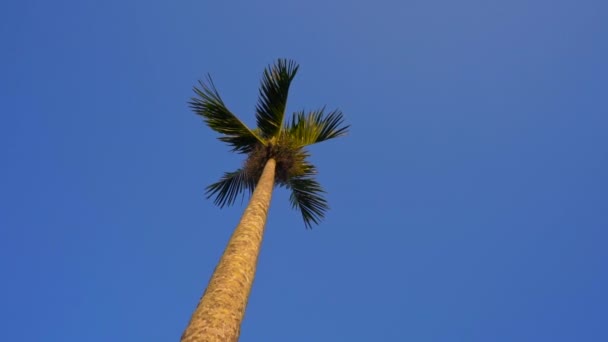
x: 220, y: 311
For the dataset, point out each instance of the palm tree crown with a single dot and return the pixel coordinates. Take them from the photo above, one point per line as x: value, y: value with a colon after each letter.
x: 274, y: 137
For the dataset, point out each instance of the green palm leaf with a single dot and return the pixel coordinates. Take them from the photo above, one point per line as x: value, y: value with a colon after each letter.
x: 230, y: 186
x: 273, y: 96
x: 210, y: 106
x: 316, y: 127
x: 307, y: 195
x: 272, y: 138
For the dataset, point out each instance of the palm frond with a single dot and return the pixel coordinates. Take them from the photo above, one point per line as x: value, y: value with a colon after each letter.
x: 273, y: 96
x: 315, y: 127
x: 210, y: 106
x: 229, y: 187
x: 307, y: 195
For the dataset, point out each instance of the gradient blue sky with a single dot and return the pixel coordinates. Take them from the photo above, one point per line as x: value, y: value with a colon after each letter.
x: 469, y: 202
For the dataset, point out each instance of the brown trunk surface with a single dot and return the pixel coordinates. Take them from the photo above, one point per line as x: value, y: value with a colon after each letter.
x: 220, y: 311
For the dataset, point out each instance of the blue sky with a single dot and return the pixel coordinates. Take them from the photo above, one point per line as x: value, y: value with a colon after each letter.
x: 468, y: 202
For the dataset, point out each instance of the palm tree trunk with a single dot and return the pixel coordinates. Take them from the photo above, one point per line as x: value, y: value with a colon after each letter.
x: 220, y: 311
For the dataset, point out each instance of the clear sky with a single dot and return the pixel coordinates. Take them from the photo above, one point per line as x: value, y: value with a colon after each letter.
x: 469, y: 202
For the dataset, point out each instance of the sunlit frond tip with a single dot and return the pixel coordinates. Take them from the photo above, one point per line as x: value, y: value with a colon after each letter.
x: 315, y: 127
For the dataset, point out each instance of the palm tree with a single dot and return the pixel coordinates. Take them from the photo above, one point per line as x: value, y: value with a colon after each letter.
x: 275, y: 154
